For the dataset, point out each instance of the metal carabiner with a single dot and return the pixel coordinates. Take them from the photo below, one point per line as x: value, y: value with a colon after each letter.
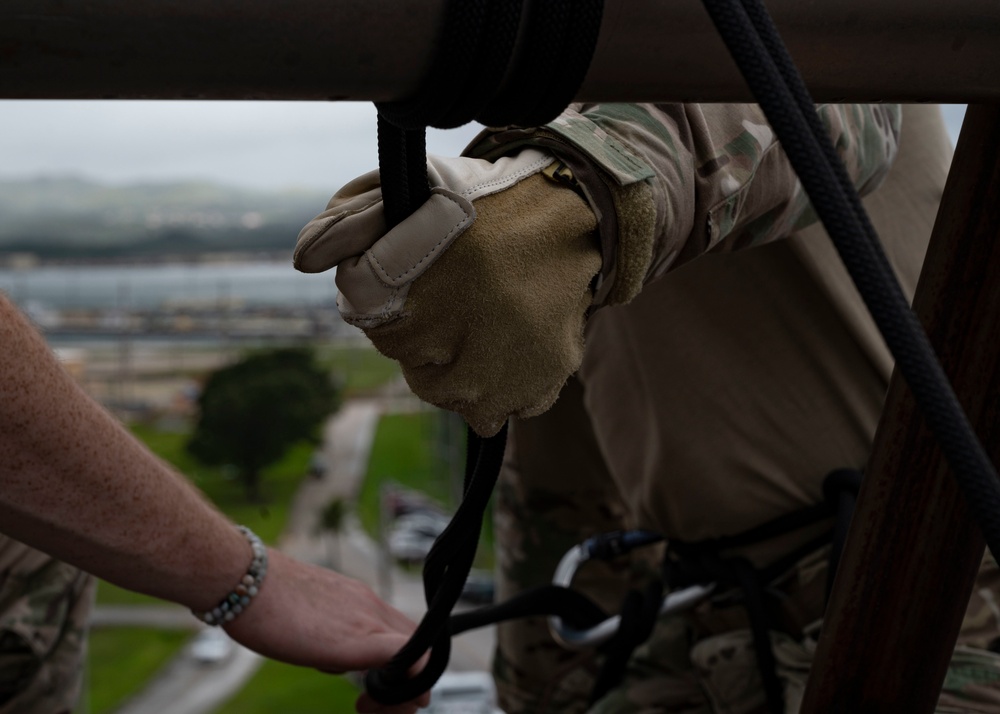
x: 605, y: 547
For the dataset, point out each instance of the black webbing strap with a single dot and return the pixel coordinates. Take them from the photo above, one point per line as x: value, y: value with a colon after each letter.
x: 840, y: 488
x: 752, y: 585
x: 704, y: 561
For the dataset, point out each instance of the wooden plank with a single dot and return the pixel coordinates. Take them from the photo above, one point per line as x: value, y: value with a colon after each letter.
x: 913, y: 550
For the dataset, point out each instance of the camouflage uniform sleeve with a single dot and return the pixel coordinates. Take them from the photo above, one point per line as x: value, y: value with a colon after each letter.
x: 670, y: 182
x: 45, y: 607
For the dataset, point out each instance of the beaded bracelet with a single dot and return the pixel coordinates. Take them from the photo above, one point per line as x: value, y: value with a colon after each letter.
x: 239, y: 599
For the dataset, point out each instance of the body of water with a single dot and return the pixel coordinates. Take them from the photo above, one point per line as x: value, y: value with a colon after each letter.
x: 258, y: 284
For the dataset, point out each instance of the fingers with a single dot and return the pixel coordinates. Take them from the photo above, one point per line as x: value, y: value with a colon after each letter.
x: 366, y: 703
x: 375, y: 650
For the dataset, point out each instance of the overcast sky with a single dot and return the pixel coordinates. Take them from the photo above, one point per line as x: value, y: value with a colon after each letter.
x: 255, y: 144
x: 318, y: 145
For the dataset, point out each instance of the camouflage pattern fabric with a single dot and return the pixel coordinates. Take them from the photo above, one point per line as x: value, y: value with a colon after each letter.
x: 44, y: 609
x: 700, y: 161
x: 536, y: 523
x: 972, y: 683
x: 973, y: 680
x: 683, y: 668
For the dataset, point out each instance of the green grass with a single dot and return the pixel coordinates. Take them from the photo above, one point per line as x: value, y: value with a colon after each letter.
x: 361, y: 370
x: 122, y: 659
x: 108, y: 594
x: 403, y: 455
x: 407, y: 452
x: 283, y: 688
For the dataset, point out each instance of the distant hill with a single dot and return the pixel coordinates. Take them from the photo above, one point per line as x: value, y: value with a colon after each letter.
x: 70, y: 217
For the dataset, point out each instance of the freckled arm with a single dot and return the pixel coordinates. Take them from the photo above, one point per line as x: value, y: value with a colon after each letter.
x: 76, y: 484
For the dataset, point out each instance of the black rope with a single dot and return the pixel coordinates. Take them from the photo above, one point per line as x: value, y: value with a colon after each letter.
x: 559, y: 42
x: 473, y: 57
x: 638, y: 618
x: 402, y: 159
x: 780, y: 91
x: 445, y: 571
x: 576, y: 610
x: 470, y: 60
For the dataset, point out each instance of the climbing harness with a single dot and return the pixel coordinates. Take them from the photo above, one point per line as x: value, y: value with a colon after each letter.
x: 605, y: 547
x: 516, y: 46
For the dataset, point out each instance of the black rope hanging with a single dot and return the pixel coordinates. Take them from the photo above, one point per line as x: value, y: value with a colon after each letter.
x: 475, y: 57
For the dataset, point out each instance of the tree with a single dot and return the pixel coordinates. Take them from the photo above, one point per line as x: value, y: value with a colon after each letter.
x: 251, y: 412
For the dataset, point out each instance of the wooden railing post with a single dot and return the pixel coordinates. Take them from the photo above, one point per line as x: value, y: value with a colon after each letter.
x: 913, y: 550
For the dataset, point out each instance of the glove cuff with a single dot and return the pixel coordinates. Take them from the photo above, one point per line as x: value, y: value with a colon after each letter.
x: 636, y: 222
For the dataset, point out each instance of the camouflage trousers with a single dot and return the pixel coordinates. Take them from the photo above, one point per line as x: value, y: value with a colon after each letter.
x: 699, y: 663
x: 44, y: 609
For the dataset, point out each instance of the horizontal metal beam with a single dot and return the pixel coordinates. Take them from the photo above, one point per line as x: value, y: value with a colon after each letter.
x: 649, y: 50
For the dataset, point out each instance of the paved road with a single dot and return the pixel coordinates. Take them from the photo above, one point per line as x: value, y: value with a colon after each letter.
x: 348, y: 442
x: 186, y: 687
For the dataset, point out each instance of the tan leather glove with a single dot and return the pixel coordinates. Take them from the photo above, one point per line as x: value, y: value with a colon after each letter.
x: 481, y: 294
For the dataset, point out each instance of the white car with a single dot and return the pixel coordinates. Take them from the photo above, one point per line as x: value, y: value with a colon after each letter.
x: 464, y: 693
x: 412, y: 535
x: 409, y: 546
x: 430, y: 524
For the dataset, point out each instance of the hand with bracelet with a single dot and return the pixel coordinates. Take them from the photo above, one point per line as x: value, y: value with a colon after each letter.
x: 76, y: 485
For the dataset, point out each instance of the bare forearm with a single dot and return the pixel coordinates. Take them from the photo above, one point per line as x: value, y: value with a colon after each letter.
x: 75, y: 484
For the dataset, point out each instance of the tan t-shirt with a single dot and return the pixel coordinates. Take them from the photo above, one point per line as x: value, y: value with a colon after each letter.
x: 732, y: 385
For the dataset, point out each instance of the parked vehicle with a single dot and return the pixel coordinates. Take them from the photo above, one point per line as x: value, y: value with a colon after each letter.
x: 399, y: 502
x: 479, y: 588
x: 409, y: 546
x: 425, y: 522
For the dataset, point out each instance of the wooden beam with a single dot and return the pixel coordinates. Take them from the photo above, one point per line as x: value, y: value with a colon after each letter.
x: 913, y: 550
x: 649, y: 50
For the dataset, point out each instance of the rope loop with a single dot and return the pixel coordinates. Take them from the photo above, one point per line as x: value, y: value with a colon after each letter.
x: 445, y: 570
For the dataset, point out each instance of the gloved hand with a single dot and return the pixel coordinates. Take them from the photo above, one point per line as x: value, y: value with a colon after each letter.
x: 481, y: 294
